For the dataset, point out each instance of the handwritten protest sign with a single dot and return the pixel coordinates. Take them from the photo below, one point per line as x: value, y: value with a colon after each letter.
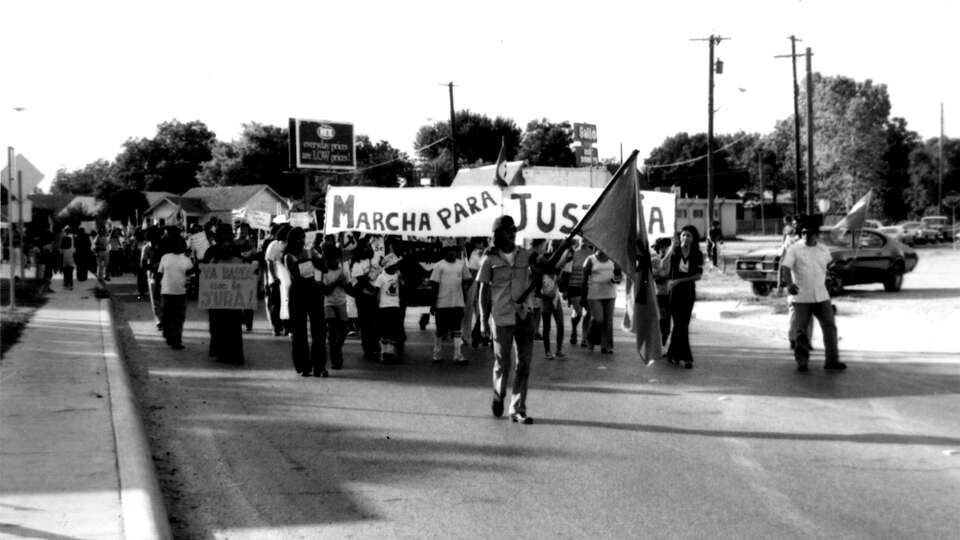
x: 227, y: 286
x: 301, y: 219
x: 259, y: 220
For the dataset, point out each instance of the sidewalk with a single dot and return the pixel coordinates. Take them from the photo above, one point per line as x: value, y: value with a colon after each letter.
x: 74, y: 460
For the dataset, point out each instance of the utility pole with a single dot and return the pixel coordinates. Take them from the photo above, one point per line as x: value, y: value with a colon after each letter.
x: 453, y: 131
x: 718, y: 66
x: 763, y: 221
x: 796, y: 123
x: 940, y: 162
x: 809, y: 133
x: 20, y: 221
x: 11, y: 165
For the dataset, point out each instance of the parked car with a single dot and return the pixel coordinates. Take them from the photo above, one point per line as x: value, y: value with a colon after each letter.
x: 941, y: 224
x: 859, y: 257
x: 922, y: 234
x: 907, y: 236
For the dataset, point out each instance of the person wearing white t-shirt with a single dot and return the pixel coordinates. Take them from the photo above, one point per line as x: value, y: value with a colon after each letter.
x: 273, y: 264
x: 389, y: 313
x: 173, y: 269
x: 448, y: 278
x: 805, y: 273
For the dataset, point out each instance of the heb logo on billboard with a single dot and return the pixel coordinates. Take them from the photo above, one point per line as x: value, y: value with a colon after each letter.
x: 321, y: 144
x: 326, y: 132
x: 585, y: 133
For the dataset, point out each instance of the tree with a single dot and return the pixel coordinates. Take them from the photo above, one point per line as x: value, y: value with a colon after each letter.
x: 125, y: 205
x: 381, y: 164
x: 259, y: 156
x: 681, y: 161
x: 169, y: 161
x: 548, y: 144
x: 478, y: 142
x: 890, y: 202
x: 850, y: 137
x: 83, y: 181
x: 924, y: 170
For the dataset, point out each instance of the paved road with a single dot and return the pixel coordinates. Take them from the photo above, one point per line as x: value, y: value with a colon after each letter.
x: 739, y: 447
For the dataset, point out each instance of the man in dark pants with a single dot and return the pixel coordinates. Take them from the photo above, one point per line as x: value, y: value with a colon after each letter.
x: 505, y: 273
x: 805, y: 273
x: 714, y: 239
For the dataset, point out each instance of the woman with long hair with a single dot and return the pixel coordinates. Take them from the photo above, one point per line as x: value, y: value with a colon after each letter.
x: 685, y: 262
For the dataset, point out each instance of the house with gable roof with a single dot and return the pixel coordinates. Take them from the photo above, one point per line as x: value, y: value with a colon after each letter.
x: 201, y: 204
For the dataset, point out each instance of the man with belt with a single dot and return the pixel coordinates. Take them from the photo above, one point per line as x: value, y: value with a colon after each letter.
x: 505, y: 273
x: 805, y: 272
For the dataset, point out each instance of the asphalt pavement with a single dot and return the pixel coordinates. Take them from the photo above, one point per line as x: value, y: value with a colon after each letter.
x: 74, y: 462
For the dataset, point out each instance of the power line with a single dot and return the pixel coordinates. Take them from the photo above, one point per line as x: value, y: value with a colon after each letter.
x: 698, y: 158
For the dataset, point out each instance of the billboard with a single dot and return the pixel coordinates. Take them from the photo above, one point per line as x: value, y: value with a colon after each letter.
x: 586, y: 133
x: 586, y: 155
x: 322, y: 144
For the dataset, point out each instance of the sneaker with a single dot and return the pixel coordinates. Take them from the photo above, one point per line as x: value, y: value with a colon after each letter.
x: 802, y: 368
x: 584, y: 344
x: 460, y: 361
x: 305, y: 374
x: 437, y: 359
x: 688, y: 365
x: 321, y: 373
x: 497, y: 407
x: 606, y: 351
x: 835, y: 366
x: 521, y: 418
x: 548, y: 356
x: 177, y: 346
x: 573, y: 340
x: 560, y: 354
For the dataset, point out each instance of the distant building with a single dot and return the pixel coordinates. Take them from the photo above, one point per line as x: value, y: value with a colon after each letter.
x: 202, y: 204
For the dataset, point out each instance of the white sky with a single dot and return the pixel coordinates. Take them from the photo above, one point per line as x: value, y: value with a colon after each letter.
x: 92, y: 74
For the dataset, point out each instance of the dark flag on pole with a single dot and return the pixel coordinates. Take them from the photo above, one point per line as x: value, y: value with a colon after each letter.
x: 615, y: 225
x: 500, y: 175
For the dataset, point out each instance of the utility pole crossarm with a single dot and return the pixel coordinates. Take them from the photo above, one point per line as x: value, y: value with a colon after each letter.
x: 713, y: 42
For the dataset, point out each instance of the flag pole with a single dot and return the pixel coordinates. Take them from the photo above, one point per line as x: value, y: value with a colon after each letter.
x: 555, y: 258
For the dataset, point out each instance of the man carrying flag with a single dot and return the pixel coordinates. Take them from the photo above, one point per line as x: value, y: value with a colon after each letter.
x: 614, y: 224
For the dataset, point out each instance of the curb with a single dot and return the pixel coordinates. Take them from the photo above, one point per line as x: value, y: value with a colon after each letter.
x: 143, y: 514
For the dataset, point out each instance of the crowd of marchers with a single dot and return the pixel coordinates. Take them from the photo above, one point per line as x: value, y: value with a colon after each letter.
x: 320, y: 289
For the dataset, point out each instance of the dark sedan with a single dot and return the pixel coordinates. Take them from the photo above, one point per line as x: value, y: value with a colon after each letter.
x: 859, y: 257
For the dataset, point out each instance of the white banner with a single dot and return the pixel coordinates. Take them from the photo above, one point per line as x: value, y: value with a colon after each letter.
x: 420, y: 212
x: 552, y: 212
x: 539, y: 211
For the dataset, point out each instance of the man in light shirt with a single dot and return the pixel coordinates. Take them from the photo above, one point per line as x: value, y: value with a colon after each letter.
x: 805, y: 273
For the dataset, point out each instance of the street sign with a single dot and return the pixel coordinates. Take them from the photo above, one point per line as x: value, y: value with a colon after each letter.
x: 321, y: 144
x: 586, y: 133
x: 31, y: 176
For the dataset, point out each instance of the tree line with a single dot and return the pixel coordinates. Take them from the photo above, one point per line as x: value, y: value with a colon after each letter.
x: 857, y: 147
